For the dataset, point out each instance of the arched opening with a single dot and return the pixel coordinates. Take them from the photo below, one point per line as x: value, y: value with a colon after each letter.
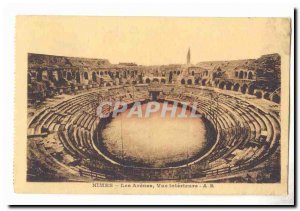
x: 148, y: 81
x: 108, y: 84
x: 182, y: 81
x: 251, y: 89
x: 193, y: 73
x: 86, y: 76
x: 197, y: 81
x: 236, y: 87
x: 94, y: 76
x: 229, y: 86
x: 241, y: 74
x: 69, y: 76
x: 203, y: 82
x: 53, y: 75
x: 250, y: 75
x: 45, y: 75
x: 59, y: 75
x: 276, y: 98
x: 105, y: 72
x: 244, y: 88
x: 236, y: 74
x: 178, y: 72
x: 217, y: 83
x: 170, y: 77
x: 77, y: 77
x: 258, y: 94
x: 222, y: 85
x: 163, y: 80
x: 267, y: 96
x: 101, y: 73
x: 134, y: 82
x: 155, y: 80
x: 189, y: 81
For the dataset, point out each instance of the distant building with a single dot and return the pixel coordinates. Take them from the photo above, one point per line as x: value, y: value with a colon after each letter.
x: 127, y: 64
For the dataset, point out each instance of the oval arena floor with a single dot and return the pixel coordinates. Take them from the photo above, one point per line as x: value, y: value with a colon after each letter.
x: 155, y: 141
x: 236, y: 134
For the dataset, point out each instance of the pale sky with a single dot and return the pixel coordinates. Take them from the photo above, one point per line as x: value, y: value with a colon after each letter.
x: 154, y: 41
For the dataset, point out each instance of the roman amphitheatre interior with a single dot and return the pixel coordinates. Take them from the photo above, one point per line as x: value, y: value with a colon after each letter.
x: 235, y: 139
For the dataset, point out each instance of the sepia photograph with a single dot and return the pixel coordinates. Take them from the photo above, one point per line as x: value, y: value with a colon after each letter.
x: 92, y: 120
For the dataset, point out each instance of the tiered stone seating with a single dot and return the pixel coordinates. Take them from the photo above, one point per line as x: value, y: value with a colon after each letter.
x: 245, y: 134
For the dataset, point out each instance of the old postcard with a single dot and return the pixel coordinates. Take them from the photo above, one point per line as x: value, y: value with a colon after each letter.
x: 152, y: 105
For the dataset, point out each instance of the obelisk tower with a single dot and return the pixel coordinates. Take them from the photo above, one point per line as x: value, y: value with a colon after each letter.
x: 188, y: 57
